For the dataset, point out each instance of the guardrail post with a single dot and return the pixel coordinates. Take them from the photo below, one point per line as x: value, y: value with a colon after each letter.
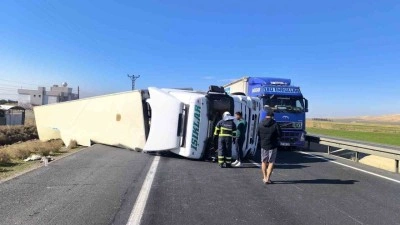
x: 357, y: 148
x: 356, y: 157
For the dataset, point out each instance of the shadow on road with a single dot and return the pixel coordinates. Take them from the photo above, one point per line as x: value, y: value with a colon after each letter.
x: 317, y: 181
x: 297, y: 158
x: 286, y: 160
x: 290, y: 166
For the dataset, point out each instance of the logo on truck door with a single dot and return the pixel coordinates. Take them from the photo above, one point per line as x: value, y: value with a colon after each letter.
x: 196, y: 127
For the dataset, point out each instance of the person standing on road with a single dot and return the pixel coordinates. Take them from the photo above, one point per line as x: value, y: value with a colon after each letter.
x: 241, y: 136
x: 225, y: 130
x: 269, y: 133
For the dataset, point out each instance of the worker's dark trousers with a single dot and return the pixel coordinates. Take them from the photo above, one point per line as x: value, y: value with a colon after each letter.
x: 239, y: 149
x: 225, y: 150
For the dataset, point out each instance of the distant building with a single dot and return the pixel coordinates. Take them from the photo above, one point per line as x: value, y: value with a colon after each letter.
x: 12, y: 115
x: 29, y: 98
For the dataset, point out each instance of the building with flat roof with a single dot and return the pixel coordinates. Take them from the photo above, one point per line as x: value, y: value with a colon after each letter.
x: 28, y: 98
x: 12, y: 115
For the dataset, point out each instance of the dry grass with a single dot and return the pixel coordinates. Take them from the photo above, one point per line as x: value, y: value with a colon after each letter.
x: 29, y: 118
x: 358, y: 127
x: 13, y: 134
x: 395, y: 118
x: 25, y: 149
x: 18, y: 143
x: 4, y: 158
x: 11, y: 156
x: 72, y: 144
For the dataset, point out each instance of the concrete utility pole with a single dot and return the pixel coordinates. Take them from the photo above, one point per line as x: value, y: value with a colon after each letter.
x: 133, y: 78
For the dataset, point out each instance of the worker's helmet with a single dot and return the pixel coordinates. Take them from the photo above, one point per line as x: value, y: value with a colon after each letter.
x: 227, y: 116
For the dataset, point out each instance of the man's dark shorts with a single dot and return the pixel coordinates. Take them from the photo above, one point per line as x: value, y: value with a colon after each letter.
x: 268, y: 156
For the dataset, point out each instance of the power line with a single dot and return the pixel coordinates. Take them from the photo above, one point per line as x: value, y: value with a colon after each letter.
x: 133, y: 79
x: 17, y: 82
x: 8, y: 88
x: 16, y: 86
x: 7, y: 94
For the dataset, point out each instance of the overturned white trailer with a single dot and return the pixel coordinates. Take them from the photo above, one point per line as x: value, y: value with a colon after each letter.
x: 116, y: 119
x: 179, y: 121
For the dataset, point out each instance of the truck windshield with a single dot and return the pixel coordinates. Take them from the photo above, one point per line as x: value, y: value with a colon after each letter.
x: 284, y: 104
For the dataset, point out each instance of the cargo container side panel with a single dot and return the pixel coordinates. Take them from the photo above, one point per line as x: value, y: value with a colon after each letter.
x: 116, y: 120
x: 240, y: 86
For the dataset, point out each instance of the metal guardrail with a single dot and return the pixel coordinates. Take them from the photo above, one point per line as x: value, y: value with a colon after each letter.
x: 382, y: 151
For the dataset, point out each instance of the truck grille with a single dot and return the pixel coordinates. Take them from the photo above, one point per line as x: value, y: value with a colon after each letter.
x: 291, y: 125
x: 290, y: 137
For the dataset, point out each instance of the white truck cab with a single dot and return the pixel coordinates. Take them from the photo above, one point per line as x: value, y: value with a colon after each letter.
x: 183, y: 121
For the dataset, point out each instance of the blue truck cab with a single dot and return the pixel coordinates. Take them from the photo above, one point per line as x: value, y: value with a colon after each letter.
x: 286, y: 101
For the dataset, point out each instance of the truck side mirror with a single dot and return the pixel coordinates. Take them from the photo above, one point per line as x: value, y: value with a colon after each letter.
x: 306, y: 105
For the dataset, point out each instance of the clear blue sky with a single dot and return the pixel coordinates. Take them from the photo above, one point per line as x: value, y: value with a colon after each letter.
x: 345, y: 55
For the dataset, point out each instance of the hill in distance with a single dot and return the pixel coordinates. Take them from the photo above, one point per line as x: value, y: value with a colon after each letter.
x: 386, y: 119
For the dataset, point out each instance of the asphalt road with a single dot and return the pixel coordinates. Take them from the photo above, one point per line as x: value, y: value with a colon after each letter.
x: 100, y: 185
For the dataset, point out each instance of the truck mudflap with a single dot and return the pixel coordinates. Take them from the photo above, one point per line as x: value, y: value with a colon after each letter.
x: 166, y: 111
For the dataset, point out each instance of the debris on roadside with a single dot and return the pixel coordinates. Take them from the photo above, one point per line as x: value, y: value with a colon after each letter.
x: 46, y: 159
x: 36, y: 157
x: 33, y: 157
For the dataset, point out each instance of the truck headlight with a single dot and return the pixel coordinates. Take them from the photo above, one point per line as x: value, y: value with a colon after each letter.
x: 303, y: 137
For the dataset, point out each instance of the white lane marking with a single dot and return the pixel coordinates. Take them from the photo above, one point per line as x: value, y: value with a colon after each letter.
x: 259, y: 165
x: 256, y: 164
x: 351, y: 167
x: 346, y: 214
x: 339, y: 150
x: 140, y: 204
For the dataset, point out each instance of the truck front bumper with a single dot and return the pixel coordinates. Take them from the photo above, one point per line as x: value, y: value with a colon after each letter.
x: 293, y: 139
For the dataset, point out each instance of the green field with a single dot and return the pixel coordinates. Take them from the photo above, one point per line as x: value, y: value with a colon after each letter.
x: 381, y: 138
x: 376, y: 133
